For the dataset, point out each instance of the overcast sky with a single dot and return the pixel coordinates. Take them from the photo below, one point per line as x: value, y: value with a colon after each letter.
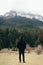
x: 32, y: 6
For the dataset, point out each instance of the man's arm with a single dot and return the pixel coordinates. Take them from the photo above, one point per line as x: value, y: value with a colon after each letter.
x: 18, y: 45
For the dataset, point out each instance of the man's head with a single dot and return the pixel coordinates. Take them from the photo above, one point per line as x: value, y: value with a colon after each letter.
x: 21, y: 38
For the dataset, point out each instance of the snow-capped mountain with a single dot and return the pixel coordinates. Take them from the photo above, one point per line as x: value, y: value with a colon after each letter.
x: 22, y: 14
x: 21, y: 18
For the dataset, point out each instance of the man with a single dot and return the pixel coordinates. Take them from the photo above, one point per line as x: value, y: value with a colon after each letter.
x: 21, y: 46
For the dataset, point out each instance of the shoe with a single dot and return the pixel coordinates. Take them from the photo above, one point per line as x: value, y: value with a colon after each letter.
x: 19, y: 61
x: 23, y: 61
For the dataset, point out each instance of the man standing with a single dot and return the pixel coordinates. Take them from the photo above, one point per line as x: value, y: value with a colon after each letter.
x: 21, y: 46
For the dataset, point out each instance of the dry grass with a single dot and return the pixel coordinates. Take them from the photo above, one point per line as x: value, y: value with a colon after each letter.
x: 39, y: 49
x: 12, y: 59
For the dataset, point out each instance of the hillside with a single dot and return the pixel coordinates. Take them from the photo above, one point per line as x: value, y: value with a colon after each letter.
x: 14, y: 18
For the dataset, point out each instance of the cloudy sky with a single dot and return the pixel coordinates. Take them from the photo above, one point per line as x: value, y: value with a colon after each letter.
x: 32, y: 6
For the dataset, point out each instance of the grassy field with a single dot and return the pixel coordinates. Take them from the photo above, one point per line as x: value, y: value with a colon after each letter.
x: 12, y: 59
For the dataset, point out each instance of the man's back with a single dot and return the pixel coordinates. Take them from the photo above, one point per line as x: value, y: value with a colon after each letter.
x: 21, y: 45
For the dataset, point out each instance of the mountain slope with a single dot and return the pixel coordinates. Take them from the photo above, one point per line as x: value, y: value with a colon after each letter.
x: 18, y: 18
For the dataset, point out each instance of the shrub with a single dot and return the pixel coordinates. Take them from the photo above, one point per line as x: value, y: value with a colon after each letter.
x: 13, y: 48
x: 39, y: 49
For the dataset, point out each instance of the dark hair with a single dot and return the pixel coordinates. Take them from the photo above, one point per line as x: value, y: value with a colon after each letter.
x: 22, y: 38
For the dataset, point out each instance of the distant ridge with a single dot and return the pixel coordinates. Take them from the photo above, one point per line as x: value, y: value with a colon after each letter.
x: 21, y: 18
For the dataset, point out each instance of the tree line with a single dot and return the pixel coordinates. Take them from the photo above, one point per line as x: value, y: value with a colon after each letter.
x: 8, y: 38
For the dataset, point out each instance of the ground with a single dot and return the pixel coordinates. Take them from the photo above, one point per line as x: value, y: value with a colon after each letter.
x: 12, y: 59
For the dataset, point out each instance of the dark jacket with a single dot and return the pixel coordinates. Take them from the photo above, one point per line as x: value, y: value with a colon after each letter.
x: 21, y: 45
